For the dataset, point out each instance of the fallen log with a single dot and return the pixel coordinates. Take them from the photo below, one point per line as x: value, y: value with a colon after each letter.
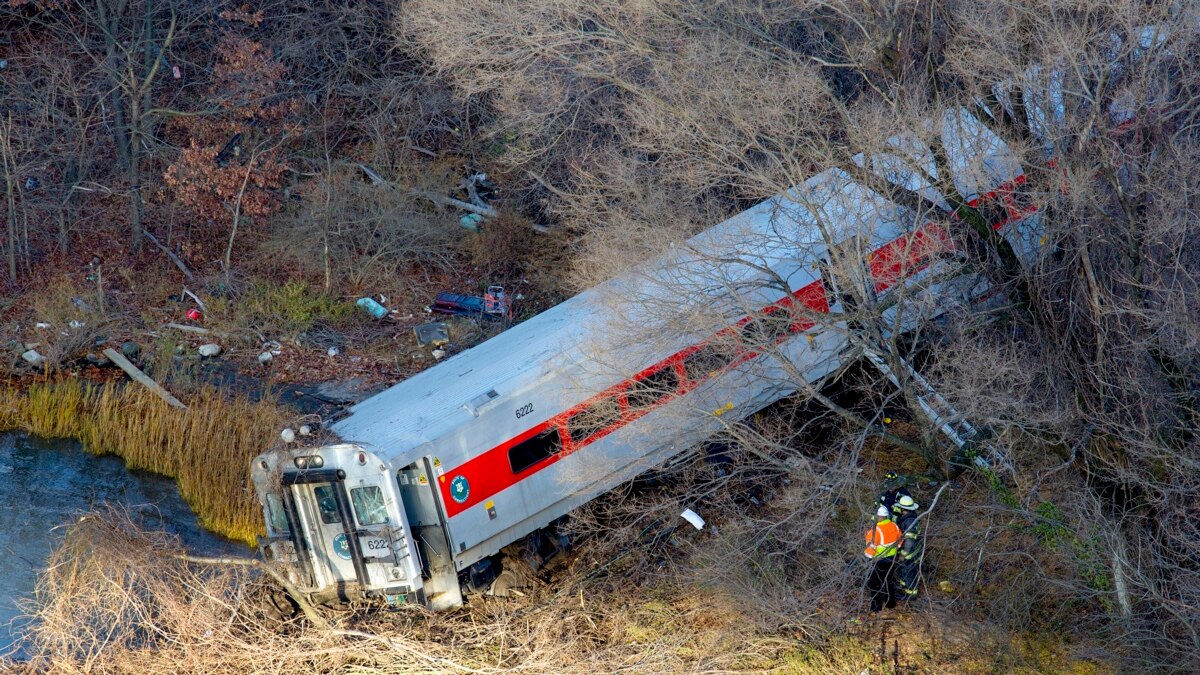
x: 142, y: 378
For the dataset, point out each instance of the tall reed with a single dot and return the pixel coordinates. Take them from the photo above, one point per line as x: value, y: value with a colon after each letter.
x: 206, y: 449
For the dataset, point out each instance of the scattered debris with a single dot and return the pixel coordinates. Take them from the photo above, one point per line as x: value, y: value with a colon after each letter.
x: 265, y: 358
x: 436, y: 333
x: 372, y: 307
x: 41, y: 325
x: 471, y: 221
x: 34, y: 357
x: 438, y: 354
x: 142, y: 378
x: 75, y: 325
x: 130, y: 349
x: 194, y: 314
x: 305, y: 430
x: 288, y: 435
x: 210, y: 349
x: 494, y: 305
x: 693, y: 518
x: 332, y: 352
x: 83, y: 306
x: 193, y: 329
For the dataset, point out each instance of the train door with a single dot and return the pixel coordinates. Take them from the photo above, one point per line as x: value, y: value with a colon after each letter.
x: 324, y: 517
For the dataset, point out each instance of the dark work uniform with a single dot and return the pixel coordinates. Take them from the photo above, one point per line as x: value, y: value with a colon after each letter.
x: 908, y: 560
x: 888, y: 499
x: 881, y: 584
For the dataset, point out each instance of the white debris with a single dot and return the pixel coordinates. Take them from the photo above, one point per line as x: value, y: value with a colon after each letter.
x: 305, y: 430
x: 438, y: 354
x: 209, y: 349
x: 75, y: 325
x: 265, y: 358
x: 34, y: 357
x: 42, y: 325
x: 287, y: 435
x: 693, y: 518
x: 332, y: 352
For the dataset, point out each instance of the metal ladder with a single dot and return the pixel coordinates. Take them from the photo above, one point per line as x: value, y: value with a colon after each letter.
x: 944, y: 416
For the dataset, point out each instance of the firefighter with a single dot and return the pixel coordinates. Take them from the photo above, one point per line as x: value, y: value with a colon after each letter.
x: 883, y: 541
x: 893, y: 489
x: 908, y: 558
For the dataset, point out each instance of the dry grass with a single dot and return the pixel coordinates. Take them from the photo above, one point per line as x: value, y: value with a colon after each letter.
x: 206, y: 448
x: 116, y: 599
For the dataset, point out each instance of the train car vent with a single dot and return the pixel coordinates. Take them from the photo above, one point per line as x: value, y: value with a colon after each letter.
x: 476, y: 404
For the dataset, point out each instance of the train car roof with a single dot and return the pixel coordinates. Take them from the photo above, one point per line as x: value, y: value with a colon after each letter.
x: 435, y: 401
x: 780, y: 233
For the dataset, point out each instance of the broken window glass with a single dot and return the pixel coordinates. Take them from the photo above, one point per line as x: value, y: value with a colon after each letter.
x: 369, y: 507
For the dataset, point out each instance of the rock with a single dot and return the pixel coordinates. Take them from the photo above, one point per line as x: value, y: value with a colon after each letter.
x: 131, y: 349
x: 209, y: 349
x: 305, y: 430
x: 96, y: 359
x: 34, y: 357
x: 265, y: 358
x: 287, y: 435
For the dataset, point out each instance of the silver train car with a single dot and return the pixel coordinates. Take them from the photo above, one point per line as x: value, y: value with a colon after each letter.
x: 438, y: 473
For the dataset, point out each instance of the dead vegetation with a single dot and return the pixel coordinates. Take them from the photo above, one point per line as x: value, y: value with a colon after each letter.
x: 643, y: 597
x: 205, y: 448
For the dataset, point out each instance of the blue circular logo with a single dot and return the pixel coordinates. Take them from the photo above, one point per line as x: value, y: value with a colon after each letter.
x: 341, y: 546
x: 460, y: 489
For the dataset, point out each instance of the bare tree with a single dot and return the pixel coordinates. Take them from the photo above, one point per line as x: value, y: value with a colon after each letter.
x: 655, y: 120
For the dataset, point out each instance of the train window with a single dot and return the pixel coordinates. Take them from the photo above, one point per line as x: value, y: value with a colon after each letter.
x: 652, y: 388
x: 276, y: 515
x: 1022, y: 197
x: 594, y: 418
x: 706, y: 361
x: 533, y: 450
x: 766, y: 329
x: 327, y: 504
x: 369, y: 508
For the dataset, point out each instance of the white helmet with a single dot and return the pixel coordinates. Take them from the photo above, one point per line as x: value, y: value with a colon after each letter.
x: 882, y: 512
x: 907, y: 503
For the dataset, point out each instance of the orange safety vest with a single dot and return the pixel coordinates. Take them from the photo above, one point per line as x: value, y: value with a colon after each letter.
x: 882, y: 540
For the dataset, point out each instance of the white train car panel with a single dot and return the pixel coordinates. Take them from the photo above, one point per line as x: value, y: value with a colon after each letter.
x: 500, y: 440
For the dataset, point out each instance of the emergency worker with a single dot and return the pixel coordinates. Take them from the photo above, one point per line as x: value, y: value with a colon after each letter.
x: 883, y: 541
x: 893, y: 489
x: 908, y: 558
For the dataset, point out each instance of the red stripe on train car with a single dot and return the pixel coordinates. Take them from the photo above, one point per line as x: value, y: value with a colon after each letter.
x: 491, y: 472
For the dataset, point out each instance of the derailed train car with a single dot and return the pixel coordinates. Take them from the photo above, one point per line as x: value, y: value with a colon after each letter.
x: 438, y: 473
